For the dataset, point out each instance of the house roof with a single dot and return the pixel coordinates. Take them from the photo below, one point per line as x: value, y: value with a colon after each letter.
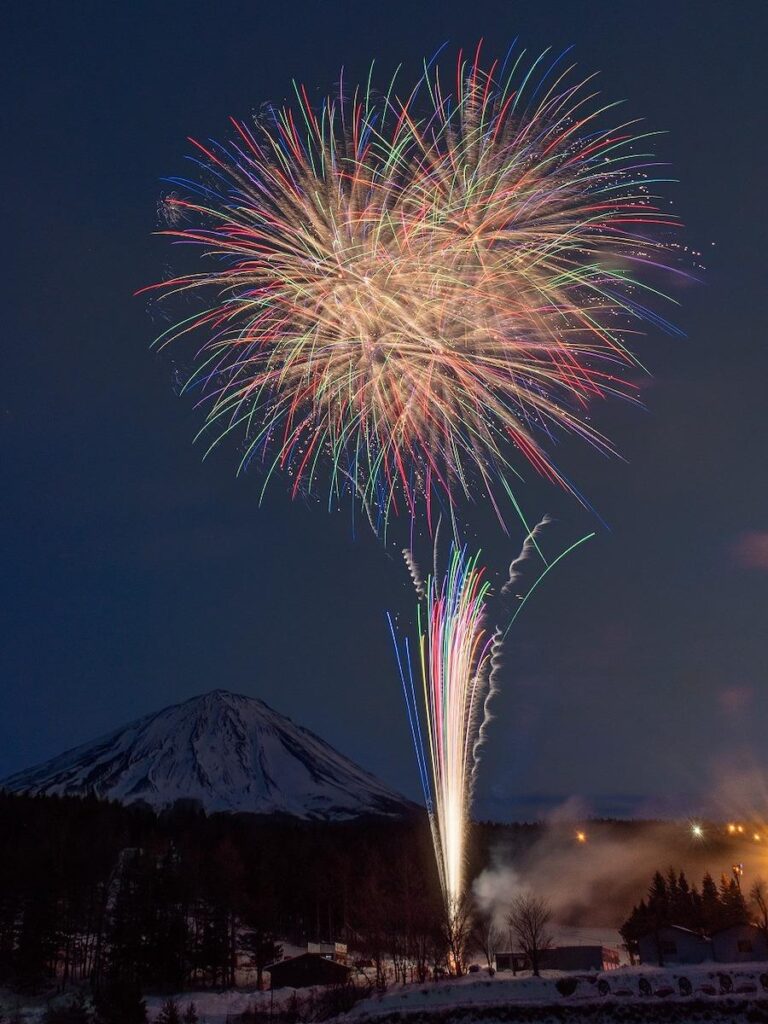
x: 674, y: 928
x: 303, y: 958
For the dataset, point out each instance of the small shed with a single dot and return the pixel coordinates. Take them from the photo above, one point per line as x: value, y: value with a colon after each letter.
x: 512, y: 962
x: 673, y: 945
x: 580, y: 958
x: 739, y: 943
x: 307, y: 969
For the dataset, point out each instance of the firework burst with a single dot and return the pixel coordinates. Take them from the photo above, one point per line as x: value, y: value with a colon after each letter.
x: 414, y: 296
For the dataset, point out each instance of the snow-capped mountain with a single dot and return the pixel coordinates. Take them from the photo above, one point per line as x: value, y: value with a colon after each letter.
x: 231, y: 753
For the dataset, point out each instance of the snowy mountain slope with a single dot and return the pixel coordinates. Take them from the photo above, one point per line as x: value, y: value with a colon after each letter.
x: 230, y: 752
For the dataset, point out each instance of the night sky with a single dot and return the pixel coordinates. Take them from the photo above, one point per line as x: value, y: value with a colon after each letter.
x: 135, y: 575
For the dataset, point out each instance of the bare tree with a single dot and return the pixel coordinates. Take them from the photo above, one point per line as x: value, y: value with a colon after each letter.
x: 457, y: 929
x: 528, y: 919
x: 485, y: 936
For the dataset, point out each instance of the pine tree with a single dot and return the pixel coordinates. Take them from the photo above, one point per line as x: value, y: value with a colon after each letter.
x: 697, y: 912
x: 638, y: 923
x: 673, y: 890
x: 684, y: 905
x: 169, y: 1013
x: 711, y: 907
x: 36, y: 938
x: 76, y: 1012
x: 190, y: 1015
x: 167, y: 928
x: 120, y: 1002
x: 658, y: 901
x: 262, y: 949
x: 734, y: 907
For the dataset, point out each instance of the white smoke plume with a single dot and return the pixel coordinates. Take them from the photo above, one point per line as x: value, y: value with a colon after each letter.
x: 516, y: 573
x: 526, y: 552
x: 594, y: 882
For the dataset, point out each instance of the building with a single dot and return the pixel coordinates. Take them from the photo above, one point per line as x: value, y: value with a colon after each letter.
x: 307, y: 969
x: 673, y: 945
x: 580, y: 958
x: 512, y: 962
x: 739, y: 943
x: 563, y: 958
x: 330, y: 950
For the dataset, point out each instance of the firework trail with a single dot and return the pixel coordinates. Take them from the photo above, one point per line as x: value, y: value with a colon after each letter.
x: 453, y: 649
x: 461, y: 631
x: 411, y: 296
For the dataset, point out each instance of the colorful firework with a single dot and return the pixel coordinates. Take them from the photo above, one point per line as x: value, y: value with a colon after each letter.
x: 413, y: 296
x: 453, y: 654
x: 461, y: 632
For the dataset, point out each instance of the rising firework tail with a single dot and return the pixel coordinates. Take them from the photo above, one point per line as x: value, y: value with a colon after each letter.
x: 461, y: 628
x: 453, y: 649
x: 407, y: 299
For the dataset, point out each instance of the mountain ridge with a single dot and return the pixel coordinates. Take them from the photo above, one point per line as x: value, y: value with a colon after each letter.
x: 228, y: 751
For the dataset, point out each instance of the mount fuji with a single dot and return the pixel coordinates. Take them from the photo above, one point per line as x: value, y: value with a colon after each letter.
x: 226, y: 751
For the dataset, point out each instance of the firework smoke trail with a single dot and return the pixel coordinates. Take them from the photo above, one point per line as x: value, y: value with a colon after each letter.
x: 526, y: 553
x: 516, y: 571
x: 453, y: 653
x: 417, y: 293
x: 415, y: 574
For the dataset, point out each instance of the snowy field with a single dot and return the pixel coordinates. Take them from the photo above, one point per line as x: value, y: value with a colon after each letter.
x: 719, y: 994
x: 212, y: 1007
x: 637, y: 994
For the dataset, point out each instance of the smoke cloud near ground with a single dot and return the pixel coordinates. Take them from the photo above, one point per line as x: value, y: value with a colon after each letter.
x: 594, y: 882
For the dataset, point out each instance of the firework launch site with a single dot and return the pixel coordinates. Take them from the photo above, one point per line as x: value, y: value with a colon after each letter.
x: 182, y: 907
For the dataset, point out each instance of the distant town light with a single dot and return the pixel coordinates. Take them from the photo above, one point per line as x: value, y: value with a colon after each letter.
x: 581, y: 837
x: 697, y: 831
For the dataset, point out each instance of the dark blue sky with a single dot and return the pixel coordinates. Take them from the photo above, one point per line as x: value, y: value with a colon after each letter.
x: 134, y: 575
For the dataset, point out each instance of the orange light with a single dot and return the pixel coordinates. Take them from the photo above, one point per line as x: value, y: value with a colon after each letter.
x: 757, y: 837
x: 740, y: 828
x: 731, y: 828
x: 581, y: 837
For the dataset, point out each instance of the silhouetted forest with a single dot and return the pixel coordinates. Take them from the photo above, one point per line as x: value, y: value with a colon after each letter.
x: 131, y: 901
x: 101, y: 892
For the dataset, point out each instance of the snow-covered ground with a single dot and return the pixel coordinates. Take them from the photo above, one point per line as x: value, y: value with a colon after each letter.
x: 212, y: 1007
x: 509, y: 999
x: 217, y: 1007
x: 481, y: 993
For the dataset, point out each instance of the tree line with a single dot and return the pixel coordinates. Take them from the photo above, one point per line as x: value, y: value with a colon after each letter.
x: 705, y: 909
x: 122, y: 897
